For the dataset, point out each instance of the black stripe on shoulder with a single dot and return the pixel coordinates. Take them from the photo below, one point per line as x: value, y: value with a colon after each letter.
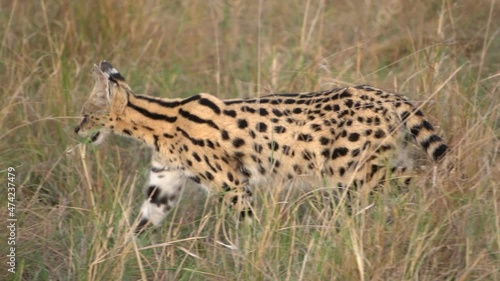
x: 263, y: 99
x: 190, y: 99
x: 197, y: 119
x: 210, y: 104
x: 366, y: 88
x: 155, y: 116
x: 291, y: 95
x: 198, y: 142
x: 318, y: 94
x: 229, y: 102
x: 167, y: 103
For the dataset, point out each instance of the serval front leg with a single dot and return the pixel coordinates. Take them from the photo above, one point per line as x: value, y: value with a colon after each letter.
x: 162, y: 192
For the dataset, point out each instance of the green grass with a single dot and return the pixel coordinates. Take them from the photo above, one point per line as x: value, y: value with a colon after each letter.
x: 75, y: 203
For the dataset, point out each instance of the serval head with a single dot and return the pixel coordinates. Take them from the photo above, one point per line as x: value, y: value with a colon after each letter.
x: 107, y: 101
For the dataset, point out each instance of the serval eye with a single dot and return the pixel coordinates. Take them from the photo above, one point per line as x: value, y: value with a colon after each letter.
x: 226, y: 144
x: 84, y: 120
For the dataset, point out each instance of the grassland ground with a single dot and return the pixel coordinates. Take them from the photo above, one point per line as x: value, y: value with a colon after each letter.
x: 75, y: 203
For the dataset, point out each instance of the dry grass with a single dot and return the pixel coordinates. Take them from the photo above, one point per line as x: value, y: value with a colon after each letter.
x: 75, y: 203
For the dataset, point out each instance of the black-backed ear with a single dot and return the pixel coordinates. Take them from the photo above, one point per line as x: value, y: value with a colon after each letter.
x: 110, y: 71
x: 101, y: 88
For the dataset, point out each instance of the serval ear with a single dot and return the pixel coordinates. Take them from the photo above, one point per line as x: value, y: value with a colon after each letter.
x: 115, y: 86
x: 110, y: 72
x: 105, y: 74
x: 101, y: 89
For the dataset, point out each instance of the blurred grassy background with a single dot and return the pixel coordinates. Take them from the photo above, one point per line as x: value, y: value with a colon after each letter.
x: 75, y: 203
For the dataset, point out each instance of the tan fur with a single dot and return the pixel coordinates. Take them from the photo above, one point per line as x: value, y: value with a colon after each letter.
x: 348, y: 135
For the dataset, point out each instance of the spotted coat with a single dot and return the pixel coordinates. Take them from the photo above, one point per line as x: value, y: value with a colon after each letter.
x: 350, y: 136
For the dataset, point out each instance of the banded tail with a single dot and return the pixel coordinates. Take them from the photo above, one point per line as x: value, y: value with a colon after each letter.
x: 421, y: 130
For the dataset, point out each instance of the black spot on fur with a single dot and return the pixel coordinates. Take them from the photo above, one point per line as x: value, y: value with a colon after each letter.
x: 297, y: 169
x: 209, y: 144
x: 242, y: 123
x: 324, y: 141
x: 326, y: 153
x: 237, y: 142
x: 230, y: 113
x: 404, y: 115
x: 263, y: 112
x: 279, y: 129
x: 157, y: 145
x: 273, y: 145
x: 247, y: 109
x: 339, y: 152
x: 261, y: 127
x: 252, y: 134
x: 277, y: 112
x: 374, y: 169
x: 246, y: 213
x: 196, y: 156
x: 353, y: 137
x: 341, y: 171
x: 209, y: 175
x: 379, y: 134
x: 345, y: 94
x: 285, y: 149
x: 239, y: 155
x: 195, y: 179
x: 226, y: 187
x: 315, y: 127
x: 307, y: 155
x: 257, y: 147
x: 305, y: 137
